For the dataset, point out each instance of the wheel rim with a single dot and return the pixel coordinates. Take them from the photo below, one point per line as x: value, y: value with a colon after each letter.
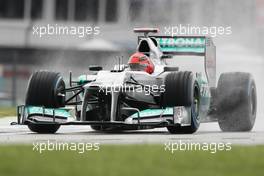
x: 60, y: 93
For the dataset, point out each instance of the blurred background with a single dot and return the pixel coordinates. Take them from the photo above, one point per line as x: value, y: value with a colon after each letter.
x: 22, y: 53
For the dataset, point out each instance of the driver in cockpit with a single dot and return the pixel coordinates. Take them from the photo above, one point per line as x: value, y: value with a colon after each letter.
x: 140, y: 62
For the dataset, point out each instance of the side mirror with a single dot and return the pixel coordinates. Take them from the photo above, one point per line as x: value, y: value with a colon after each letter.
x: 95, y: 68
x: 166, y: 57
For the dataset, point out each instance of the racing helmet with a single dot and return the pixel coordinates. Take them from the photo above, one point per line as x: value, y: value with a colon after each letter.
x: 140, y: 62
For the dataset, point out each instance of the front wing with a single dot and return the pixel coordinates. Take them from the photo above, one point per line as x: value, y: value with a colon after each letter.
x: 149, y: 118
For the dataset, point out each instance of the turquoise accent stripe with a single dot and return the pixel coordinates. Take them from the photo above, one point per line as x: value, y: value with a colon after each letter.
x: 153, y: 112
x: 182, y: 44
x: 61, y: 112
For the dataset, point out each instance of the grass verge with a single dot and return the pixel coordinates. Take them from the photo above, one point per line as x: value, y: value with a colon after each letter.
x: 134, y: 160
x: 7, y: 111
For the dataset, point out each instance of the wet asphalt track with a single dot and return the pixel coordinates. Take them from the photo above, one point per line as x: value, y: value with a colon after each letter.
x: 208, y: 132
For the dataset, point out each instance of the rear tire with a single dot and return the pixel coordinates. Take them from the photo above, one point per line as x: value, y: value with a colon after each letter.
x: 236, y: 102
x: 43, y: 90
x: 182, y: 90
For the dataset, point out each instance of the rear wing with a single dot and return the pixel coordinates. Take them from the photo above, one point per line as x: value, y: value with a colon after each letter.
x: 193, y: 46
x: 146, y: 31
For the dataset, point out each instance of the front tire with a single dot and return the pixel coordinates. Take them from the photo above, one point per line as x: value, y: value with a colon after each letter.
x: 44, y: 128
x: 45, y: 89
x: 236, y: 102
x: 178, y: 89
x: 182, y: 90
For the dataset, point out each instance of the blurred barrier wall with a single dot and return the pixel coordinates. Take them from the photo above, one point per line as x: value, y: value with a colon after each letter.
x: 115, y: 20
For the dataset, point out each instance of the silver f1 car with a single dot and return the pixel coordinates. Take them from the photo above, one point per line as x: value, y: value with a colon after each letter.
x: 130, y: 98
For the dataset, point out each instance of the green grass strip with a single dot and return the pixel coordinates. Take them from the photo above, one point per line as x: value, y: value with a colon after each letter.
x: 134, y: 160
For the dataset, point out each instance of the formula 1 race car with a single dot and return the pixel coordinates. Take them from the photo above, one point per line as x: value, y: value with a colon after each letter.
x: 145, y: 93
